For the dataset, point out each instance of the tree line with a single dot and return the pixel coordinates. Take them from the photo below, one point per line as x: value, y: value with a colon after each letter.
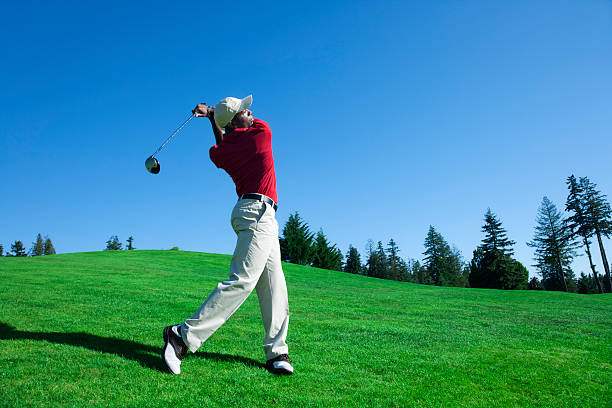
x: 113, y: 244
x: 556, y: 241
x: 44, y: 246
x: 39, y: 247
x: 442, y: 265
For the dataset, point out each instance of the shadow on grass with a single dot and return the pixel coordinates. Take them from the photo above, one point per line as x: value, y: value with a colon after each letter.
x: 147, y: 356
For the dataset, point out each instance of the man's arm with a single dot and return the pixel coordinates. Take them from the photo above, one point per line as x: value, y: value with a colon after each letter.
x: 203, y: 110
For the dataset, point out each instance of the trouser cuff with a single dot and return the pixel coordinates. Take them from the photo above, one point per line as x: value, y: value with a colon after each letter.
x: 188, y: 340
x: 277, y: 352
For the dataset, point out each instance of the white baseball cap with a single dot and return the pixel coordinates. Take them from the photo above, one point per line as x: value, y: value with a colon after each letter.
x: 229, y: 107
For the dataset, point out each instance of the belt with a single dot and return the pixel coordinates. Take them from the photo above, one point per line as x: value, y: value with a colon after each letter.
x: 260, y: 197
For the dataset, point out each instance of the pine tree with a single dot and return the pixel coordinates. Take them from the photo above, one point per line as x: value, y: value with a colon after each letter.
x: 434, y: 254
x: 353, y: 261
x: 48, y: 248
x: 369, y: 249
x: 113, y: 244
x: 130, y: 242
x: 480, y: 276
x: 495, y: 239
x: 1, y: 250
x: 394, y: 261
x: 599, y: 218
x: 492, y: 265
x: 443, y: 265
x: 404, y: 271
x: 578, y: 222
x: 465, y: 275
x: 325, y: 256
x: 382, y: 271
x: 420, y: 275
x: 371, y: 264
x: 38, y: 246
x: 377, y: 262
x: 555, y: 247
x: 455, y: 269
x: 18, y: 249
x: 534, y: 284
x: 586, y: 284
x: 297, y: 241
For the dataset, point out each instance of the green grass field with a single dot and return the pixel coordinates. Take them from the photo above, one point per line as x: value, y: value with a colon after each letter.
x: 86, y: 330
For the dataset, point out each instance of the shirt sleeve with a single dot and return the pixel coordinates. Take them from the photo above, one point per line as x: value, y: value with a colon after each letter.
x: 215, y: 156
x: 260, y: 124
x: 263, y: 129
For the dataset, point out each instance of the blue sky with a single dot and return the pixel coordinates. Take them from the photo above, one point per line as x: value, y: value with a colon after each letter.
x: 386, y: 117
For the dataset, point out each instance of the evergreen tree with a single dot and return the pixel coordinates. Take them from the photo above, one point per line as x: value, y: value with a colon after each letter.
x: 48, y: 248
x: 353, y: 261
x: 1, y: 250
x: 534, y: 284
x: 282, y: 242
x: 495, y: 239
x: 404, y: 271
x: 420, y: 274
x: 38, y: 246
x: 599, y: 219
x: 456, y: 272
x: 444, y: 266
x: 383, y: 267
x: 371, y: 264
x: 18, y: 249
x: 434, y: 254
x: 369, y: 247
x: 465, y: 275
x: 586, y: 284
x: 571, y: 284
x: 113, y: 244
x: 325, y: 256
x: 393, y: 260
x: 377, y: 262
x: 479, y: 276
x: 492, y: 265
x: 297, y: 242
x: 130, y: 242
x: 578, y: 222
x: 555, y: 247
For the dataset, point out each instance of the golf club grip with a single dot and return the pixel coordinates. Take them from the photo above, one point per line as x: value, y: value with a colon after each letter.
x: 174, y: 133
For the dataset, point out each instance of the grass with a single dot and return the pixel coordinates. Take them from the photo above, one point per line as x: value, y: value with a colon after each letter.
x: 85, y: 330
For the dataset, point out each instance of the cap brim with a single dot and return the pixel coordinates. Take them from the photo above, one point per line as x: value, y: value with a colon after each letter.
x: 246, y: 102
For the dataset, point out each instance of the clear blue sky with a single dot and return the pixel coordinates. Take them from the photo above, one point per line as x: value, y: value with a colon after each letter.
x: 387, y: 117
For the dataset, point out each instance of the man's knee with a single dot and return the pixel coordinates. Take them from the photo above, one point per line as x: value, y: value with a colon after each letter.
x: 239, y: 282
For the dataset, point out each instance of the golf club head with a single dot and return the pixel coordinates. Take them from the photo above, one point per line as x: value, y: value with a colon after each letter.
x: 152, y: 165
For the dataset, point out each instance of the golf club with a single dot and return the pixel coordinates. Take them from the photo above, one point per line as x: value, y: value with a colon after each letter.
x: 152, y: 164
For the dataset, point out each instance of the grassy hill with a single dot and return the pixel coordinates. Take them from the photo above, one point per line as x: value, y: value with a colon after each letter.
x: 85, y: 330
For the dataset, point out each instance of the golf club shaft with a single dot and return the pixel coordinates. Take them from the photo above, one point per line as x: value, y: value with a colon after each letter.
x: 172, y: 135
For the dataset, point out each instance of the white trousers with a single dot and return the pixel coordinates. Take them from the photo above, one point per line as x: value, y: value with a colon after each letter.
x: 256, y: 264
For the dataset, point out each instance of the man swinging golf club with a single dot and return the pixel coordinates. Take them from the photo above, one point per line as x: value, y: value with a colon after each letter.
x: 243, y: 149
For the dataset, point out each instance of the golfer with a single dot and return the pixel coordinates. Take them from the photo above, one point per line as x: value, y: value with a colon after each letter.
x: 244, y: 150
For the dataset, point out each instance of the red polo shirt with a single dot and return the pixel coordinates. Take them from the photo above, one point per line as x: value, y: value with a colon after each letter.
x: 246, y: 155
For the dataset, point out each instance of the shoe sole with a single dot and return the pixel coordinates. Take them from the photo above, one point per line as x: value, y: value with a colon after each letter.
x: 284, y: 372
x: 279, y: 372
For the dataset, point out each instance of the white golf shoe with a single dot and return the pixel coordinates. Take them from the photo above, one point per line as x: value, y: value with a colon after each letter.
x: 280, y: 365
x: 174, y: 349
